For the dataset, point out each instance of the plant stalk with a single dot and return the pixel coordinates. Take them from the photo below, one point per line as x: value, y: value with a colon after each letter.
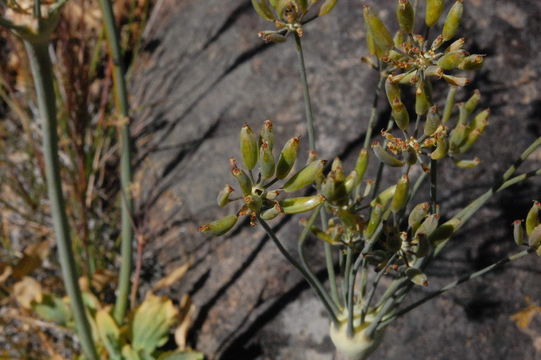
x: 42, y: 72
x: 126, y: 175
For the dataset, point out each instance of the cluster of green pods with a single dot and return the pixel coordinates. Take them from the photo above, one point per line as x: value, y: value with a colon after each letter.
x: 288, y: 15
x: 529, y: 230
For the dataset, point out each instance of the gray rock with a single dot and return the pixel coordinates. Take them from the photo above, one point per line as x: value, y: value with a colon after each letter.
x: 204, y: 72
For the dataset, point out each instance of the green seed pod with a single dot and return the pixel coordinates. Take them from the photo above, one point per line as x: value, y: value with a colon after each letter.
x: 410, y: 156
x: 262, y: 8
x: 416, y: 276
x: 305, y: 176
x: 266, y: 161
x: 271, y: 213
x: 423, y: 245
x: 457, y: 137
x: 433, y: 121
x: 398, y: 40
x: 405, y: 16
x: 422, y: 101
x: 272, y: 37
x: 361, y: 165
x: 434, y: 9
x: 434, y: 71
x: 223, y: 196
x: 273, y: 194
x: 428, y: 226
x: 442, y: 148
x: 472, y: 138
x: 449, y: 104
x: 320, y: 234
x: 401, y: 194
x: 384, y: 156
x: 381, y: 38
x: 400, y: 114
x: 351, y: 181
x: 480, y: 121
x: 266, y: 134
x: 219, y: 227
x: 455, y: 80
x: 518, y: 232
x: 326, y: 7
x: 444, y: 231
x: 532, y: 219
x: 463, y: 115
x: 248, y: 147
x: 374, y: 221
x: 472, y: 62
x: 534, y: 239
x: 242, y: 178
x: 351, y: 220
x: 254, y: 203
x: 452, y: 22
x: 384, y: 197
x: 287, y: 158
x: 467, y: 164
x: 472, y: 102
x: 301, y: 204
x: 392, y: 90
x: 455, y: 45
x: 451, y: 60
x: 303, y: 4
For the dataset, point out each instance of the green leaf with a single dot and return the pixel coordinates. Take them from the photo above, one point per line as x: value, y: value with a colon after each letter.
x: 52, y: 308
x: 182, y: 355
x: 151, y: 322
x: 129, y: 354
x: 109, y: 333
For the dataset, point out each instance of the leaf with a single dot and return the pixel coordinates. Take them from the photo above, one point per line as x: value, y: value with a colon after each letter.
x: 151, y: 322
x: 52, y: 308
x: 26, y: 291
x: 172, y: 277
x: 129, y: 354
x: 327, y: 6
x: 186, y: 312
x: 182, y: 355
x: 109, y: 333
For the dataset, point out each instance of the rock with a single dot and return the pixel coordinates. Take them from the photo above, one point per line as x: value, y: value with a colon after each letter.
x: 203, y: 73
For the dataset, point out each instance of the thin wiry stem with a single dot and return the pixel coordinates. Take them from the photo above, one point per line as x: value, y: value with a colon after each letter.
x: 298, y: 266
x: 306, y: 92
x: 42, y: 72
x: 122, y: 106
x: 374, y: 109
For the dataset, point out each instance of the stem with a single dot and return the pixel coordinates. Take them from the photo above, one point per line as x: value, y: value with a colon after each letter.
x: 433, y: 185
x: 41, y: 67
x: 294, y: 262
x: 381, y: 165
x: 307, y: 102
x: 122, y: 107
x: 309, y: 272
x: 373, y: 111
x: 349, y: 296
x: 463, y: 279
x: 329, y: 261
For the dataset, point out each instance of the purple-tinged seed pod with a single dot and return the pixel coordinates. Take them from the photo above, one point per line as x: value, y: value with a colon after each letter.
x: 532, y: 219
x: 518, y: 232
x: 220, y: 226
x: 452, y: 22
